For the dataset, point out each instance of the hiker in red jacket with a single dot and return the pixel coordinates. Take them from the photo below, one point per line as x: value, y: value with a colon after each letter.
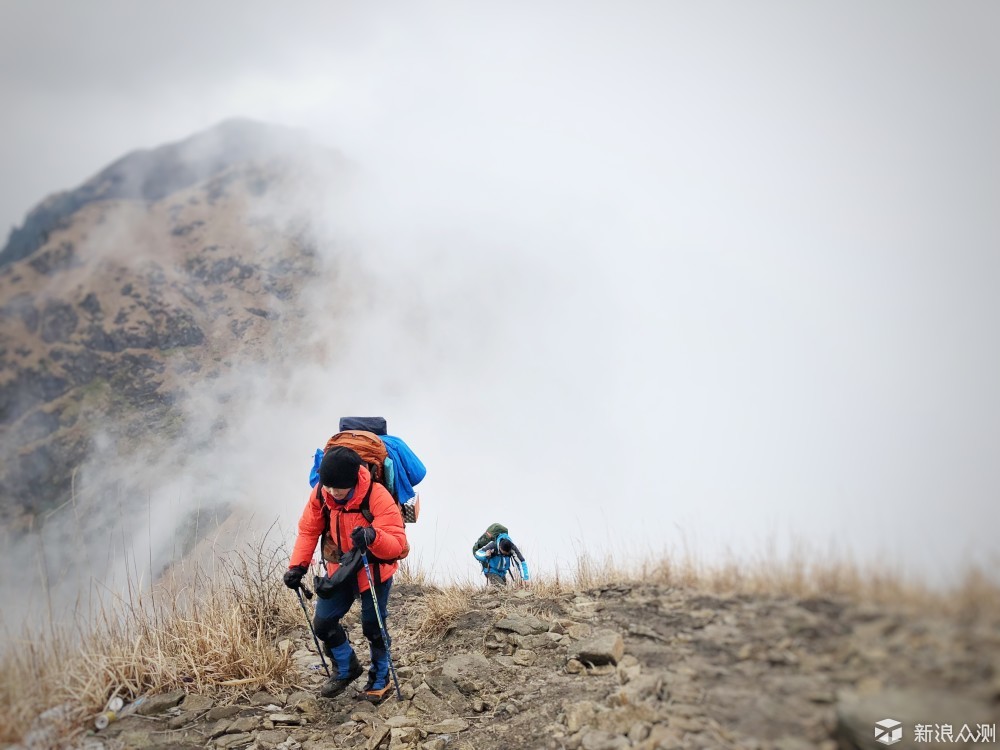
x: 352, y: 514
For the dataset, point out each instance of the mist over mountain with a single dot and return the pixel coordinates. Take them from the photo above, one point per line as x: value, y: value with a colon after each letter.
x: 652, y: 279
x: 172, y: 267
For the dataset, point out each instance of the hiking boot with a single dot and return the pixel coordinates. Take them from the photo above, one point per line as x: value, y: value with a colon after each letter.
x: 378, y: 685
x: 336, y: 685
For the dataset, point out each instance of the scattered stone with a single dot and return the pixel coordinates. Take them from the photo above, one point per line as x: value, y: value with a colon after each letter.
x: 604, y: 647
x: 223, y: 712
x: 639, y: 731
x: 524, y: 657
x: 193, y: 702
x: 404, y: 736
x: 426, y: 701
x: 644, y: 631
x: 364, y: 711
x: 601, y: 670
x: 219, y: 729
x: 233, y: 740
x: 309, y: 708
x: 466, y: 665
x: 443, y: 687
x: 271, y: 738
x: 155, y: 704
x: 265, y: 699
x: 378, y: 738
x: 628, y: 669
x: 284, y: 719
x: 523, y: 625
x: 637, y: 690
x: 597, y: 739
x: 579, y: 715
x: 448, y: 726
x: 397, y: 722
x: 549, y: 640
x: 245, y: 724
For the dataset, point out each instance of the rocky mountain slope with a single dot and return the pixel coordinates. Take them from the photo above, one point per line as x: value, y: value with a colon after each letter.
x: 642, y: 666
x: 171, y: 266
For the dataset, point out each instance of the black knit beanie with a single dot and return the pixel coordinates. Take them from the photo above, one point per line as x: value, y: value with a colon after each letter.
x: 339, y: 468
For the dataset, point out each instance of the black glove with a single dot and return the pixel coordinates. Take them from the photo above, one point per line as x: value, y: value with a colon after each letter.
x: 363, y: 537
x: 293, y: 576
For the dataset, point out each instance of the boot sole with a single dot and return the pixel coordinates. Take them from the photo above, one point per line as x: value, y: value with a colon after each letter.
x: 375, y: 696
x: 341, y: 685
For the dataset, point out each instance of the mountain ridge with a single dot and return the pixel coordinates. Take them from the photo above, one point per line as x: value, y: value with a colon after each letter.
x: 169, y: 268
x: 151, y: 174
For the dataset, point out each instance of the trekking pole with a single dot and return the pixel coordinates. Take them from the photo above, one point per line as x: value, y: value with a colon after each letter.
x: 381, y: 624
x: 309, y: 595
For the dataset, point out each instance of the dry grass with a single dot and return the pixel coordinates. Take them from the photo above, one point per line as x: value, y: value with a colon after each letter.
x: 213, y: 634
x: 441, y: 608
x: 797, y: 576
x: 216, y: 633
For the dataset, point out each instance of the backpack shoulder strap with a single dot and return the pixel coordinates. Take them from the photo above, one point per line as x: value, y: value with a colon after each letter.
x: 365, y: 508
x: 322, y: 506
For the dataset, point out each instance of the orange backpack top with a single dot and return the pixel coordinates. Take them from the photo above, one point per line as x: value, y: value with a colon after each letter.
x: 368, y: 446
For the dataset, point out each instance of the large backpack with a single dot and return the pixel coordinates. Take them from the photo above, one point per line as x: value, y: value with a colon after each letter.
x: 491, y: 533
x: 397, y: 471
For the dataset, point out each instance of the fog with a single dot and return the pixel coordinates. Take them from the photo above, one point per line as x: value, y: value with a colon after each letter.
x: 629, y: 279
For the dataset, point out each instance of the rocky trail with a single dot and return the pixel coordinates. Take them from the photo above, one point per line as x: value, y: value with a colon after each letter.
x: 623, y: 667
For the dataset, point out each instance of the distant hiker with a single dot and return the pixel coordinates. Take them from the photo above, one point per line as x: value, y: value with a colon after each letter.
x: 495, y: 550
x: 352, y: 514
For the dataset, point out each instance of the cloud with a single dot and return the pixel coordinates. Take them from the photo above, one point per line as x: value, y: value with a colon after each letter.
x: 609, y: 271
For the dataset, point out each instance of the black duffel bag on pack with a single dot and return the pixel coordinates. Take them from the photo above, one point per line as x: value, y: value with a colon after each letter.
x: 368, y: 424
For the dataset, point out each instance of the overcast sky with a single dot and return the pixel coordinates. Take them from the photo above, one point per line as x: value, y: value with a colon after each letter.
x: 756, y: 244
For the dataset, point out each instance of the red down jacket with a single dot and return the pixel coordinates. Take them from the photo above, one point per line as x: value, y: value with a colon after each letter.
x: 390, y: 537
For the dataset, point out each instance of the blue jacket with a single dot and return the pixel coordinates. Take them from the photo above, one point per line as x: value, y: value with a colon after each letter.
x: 408, y: 469
x: 496, y: 563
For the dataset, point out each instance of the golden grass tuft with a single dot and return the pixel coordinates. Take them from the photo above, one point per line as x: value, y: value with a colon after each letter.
x: 441, y: 608
x: 206, y: 633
